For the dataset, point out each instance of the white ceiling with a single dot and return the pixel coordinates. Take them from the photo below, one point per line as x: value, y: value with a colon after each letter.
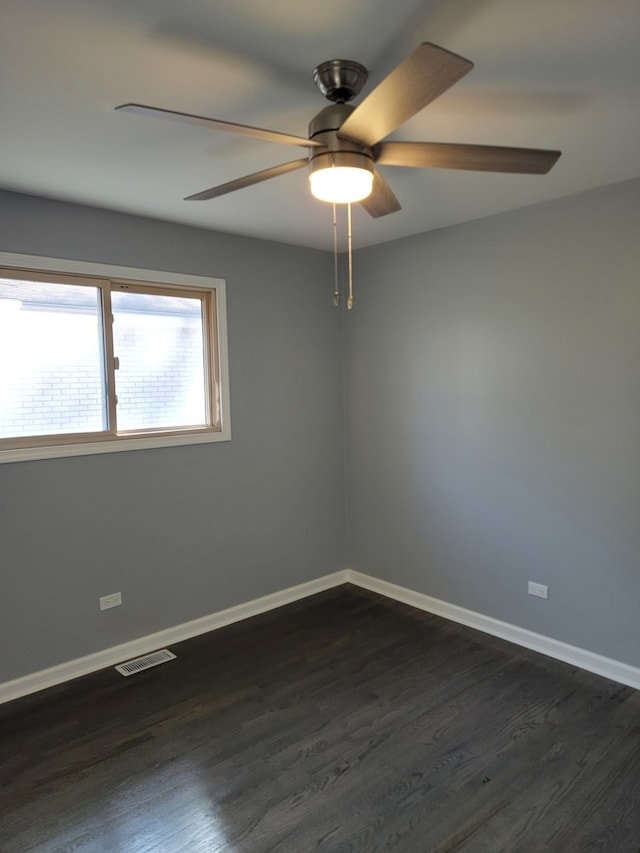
x: 557, y: 74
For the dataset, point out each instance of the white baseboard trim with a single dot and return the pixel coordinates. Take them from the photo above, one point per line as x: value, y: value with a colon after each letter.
x: 141, y: 646
x: 582, y: 658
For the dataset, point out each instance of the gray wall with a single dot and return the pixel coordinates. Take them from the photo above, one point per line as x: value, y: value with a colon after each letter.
x: 494, y: 417
x: 185, y: 531
x: 492, y: 436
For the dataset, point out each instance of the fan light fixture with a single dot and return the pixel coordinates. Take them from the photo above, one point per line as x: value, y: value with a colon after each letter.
x: 341, y: 184
x: 341, y: 177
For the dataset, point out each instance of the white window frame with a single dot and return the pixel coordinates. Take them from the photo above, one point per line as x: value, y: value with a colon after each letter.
x: 126, y: 442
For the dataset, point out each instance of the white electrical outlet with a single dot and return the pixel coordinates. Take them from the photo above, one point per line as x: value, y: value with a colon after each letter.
x: 112, y: 600
x: 539, y: 589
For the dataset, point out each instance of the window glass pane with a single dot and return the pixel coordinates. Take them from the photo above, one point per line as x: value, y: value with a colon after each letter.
x: 51, y: 363
x: 159, y: 342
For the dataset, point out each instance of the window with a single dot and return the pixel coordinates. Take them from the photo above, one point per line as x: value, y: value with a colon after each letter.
x: 95, y: 359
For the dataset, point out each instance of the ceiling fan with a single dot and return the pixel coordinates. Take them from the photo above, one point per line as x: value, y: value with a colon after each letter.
x: 346, y: 143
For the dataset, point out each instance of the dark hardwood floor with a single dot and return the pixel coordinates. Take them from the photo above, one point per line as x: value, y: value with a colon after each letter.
x: 345, y: 722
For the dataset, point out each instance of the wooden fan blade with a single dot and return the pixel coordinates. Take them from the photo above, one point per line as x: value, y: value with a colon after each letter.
x: 248, y: 180
x: 382, y: 199
x: 480, y: 158
x: 217, y: 124
x: 428, y: 72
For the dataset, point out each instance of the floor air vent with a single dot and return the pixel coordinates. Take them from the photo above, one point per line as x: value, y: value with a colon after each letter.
x: 145, y: 662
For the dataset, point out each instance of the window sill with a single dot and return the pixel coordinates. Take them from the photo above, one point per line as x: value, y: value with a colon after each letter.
x: 146, y: 442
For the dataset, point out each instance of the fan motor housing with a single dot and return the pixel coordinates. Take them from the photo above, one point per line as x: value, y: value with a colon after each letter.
x: 337, y: 151
x: 329, y: 119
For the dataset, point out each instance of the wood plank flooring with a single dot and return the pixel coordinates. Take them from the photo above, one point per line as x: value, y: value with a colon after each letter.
x: 344, y: 723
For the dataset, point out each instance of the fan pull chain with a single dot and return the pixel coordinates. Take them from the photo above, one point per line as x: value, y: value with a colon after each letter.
x: 350, y: 299
x: 336, y: 290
